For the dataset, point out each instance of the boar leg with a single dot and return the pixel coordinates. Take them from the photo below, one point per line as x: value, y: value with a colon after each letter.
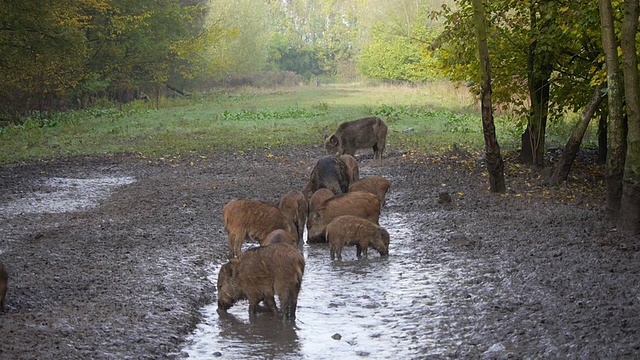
x: 270, y: 303
x: 235, y: 244
x: 288, y: 303
x: 253, y: 305
x: 293, y: 302
x: 332, y: 252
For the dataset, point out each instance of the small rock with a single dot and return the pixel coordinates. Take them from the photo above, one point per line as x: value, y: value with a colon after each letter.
x: 217, y: 354
x: 444, y: 198
x: 336, y: 336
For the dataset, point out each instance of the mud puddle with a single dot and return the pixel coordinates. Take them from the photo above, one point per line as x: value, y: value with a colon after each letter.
x: 375, y: 307
x: 57, y: 195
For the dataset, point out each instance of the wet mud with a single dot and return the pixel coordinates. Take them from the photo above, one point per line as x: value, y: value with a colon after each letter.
x: 116, y: 257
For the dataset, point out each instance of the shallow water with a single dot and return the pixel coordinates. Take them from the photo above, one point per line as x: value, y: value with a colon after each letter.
x: 58, y: 195
x: 376, y: 307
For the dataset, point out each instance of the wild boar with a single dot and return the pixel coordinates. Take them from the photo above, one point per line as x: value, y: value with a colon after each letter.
x: 279, y: 236
x: 361, y: 204
x: 261, y: 274
x: 295, y: 206
x: 352, y: 166
x: 4, y: 282
x: 318, y: 198
x: 377, y: 185
x: 329, y: 172
x: 253, y: 220
x: 358, y: 134
x: 349, y: 230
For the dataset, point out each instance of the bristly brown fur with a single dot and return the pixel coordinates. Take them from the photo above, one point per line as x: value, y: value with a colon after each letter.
x: 260, y: 275
x: 358, y: 134
x: 352, y: 230
x: 377, y: 185
x: 361, y: 204
x: 253, y: 220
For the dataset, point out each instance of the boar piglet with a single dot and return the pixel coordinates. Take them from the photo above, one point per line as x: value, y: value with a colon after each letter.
x: 318, y: 198
x: 253, y: 220
x: 329, y: 172
x: 279, y: 236
x: 377, y: 185
x: 352, y: 166
x: 261, y: 274
x: 351, y: 230
x: 295, y: 206
x: 358, y: 134
x: 361, y: 204
x: 4, y: 282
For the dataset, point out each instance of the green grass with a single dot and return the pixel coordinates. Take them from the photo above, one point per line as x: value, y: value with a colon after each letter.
x: 438, y: 114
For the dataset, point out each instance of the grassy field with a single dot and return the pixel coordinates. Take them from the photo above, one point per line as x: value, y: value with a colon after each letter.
x: 431, y: 117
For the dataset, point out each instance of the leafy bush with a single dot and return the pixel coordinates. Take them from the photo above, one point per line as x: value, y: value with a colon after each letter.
x: 461, y: 123
x: 252, y: 115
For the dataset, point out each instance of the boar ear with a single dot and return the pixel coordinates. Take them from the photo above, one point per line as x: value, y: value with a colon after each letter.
x: 333, y: 139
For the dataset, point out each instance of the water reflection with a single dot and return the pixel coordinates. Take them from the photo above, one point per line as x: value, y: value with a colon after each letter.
x: 377, y: 307
x: 236, y: 335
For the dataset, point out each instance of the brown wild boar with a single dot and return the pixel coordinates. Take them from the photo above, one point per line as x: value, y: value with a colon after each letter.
x: 352, y: 166
x: 4, y: 283
x: 279, y: 236
x: 295, y: 206
x: 361, y: 204
x: 260, y: 274
x: 318, y: 198
x: 358, y: 134
x: 329, y: 172
x: 349, y: 230
x: 253, y: 220
x: 377, y: 185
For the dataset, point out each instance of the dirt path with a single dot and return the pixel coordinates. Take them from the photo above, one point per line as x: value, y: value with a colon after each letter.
x: 108, y: 255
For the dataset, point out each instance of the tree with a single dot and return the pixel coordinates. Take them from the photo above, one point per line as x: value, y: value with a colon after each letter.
x: 573, y: 144
x: 42, y: 51
x: 616, y: 146
x: 243, y: 49
x: 392, y: 57
x: 630, y: 205
x: 540, y: 50
x: 495, y: 165
x: 313, y: 37
x: 394, y: 35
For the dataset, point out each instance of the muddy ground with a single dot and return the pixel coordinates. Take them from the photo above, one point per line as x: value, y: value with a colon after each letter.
x: 109, y: 255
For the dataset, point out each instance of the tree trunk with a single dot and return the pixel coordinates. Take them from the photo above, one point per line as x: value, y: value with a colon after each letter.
x: 602, y: 138
x: 573, y: 144
x: 174, y: 89
x: 539, y: 70
x: 495, y: 165
x: 616, y: 144
x: 630, y: 206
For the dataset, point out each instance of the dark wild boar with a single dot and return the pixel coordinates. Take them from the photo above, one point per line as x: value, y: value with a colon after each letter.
x: 352, y: 165
x: 318, y: 198
x: 349, y: 230
x: 279, y: 237
x: 361, y: 204
x: 295, y: 206
x: 259, y: 275
x: 253, y: 220
x: 329, y: 172
x: 377, y: 185
x: 4, y: 283
x: 358, y: 134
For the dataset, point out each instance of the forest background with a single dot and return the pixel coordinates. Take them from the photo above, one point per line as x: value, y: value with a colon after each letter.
x: 547, y: 58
